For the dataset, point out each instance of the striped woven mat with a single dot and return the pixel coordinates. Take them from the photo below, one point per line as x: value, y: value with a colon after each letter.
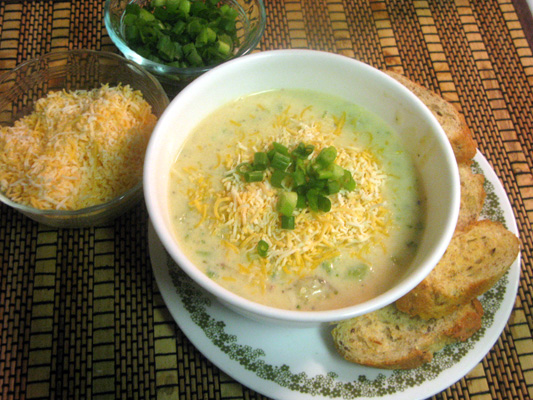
x: 81, y: 315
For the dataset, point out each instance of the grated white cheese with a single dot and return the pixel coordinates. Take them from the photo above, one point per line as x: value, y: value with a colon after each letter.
x: 77, y: 149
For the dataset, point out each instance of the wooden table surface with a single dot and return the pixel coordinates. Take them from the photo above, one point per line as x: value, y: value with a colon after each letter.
x: 80, y: 313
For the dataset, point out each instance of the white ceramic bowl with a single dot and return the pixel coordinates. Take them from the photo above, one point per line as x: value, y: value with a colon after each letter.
x: 331, y: 74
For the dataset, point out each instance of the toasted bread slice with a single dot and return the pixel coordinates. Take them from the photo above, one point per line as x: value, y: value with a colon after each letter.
x: 390, y: 339
x: 451, y: 120
x: 475, y: 260
x: 472, y: 196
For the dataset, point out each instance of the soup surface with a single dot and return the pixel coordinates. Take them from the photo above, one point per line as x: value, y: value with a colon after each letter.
x: 331, y: 258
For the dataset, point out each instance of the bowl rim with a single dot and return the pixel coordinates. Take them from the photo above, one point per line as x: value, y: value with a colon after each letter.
x: 168, y: 69
x: 261, y: 311
x: 97, y: 207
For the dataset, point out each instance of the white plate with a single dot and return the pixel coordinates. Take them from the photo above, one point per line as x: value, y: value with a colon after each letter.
x: 301, y: 363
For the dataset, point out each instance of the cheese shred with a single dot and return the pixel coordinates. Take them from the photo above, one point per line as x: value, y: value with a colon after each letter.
x: 76, y: 149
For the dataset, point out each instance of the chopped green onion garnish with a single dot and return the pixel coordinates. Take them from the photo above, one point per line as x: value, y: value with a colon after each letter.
x: 260, y: 161
x: 303, y: 151
x: 298, y: 177
x: 280, y: 161
x: 262, y: 248
x: 302, y: 200
x: 279, y: 148
x: 287, y: 222
x: 348, y: 182
x: 332, y: 187
x: 306, y: 182
x: 312, y: 199
x: 242, y: 168
x: 324, y: 204
x: 276, y: 180
x: 287, y: 203
x: 206, y: 30
x: 253, y: 176
x: 327, y: 156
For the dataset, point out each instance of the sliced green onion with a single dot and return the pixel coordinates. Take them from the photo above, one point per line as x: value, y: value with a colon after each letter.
x: 332, y: 187
x: 185, y: 7
x: 280, y: 161
x: 146, y: 15
x: 307, y: 182
x: 253, y: 176
x: 132, y: 32
x: 324, y: 204
x: 194, y: 27
x: 197, y: 7
x: 287, y: 222
x: 173, y: 5
x: 276, y: 180
x: 302, y: 201
x: 262, y: 248
x: 298, y: 177
x: 133, y: 9
x: 327, y: 156
x: 179, y: 28
x: 279, y: 148
x: 194, y: 58
x: 318, y: 184
x: 260, y: 162
x: 348, y: 182
x: 161, y: 13
x: 168, y: 49
x: 287, y: 203
x: 324, y: 173
x: 242, y: 168
x: 337, y: 171
x: 223, y: 48
x: 207, y: 28
x: 303, y: 151
x: 312, y: 199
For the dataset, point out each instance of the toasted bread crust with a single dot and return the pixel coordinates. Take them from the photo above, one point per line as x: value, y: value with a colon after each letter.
x: 451, y: 120
x: 390, y: 339
x: 475, y: 260
x: 472, y: 196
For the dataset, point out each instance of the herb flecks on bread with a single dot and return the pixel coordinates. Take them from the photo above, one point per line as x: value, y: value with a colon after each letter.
x: 472, y: 196
x: 475, y: 260
x: 390, y: 339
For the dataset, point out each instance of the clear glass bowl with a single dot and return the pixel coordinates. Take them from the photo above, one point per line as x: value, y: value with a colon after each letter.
x: 251, y: 25
x: 74, y: 70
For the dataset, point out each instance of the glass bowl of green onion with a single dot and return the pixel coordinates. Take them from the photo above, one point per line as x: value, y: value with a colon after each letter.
x: 178, y: 40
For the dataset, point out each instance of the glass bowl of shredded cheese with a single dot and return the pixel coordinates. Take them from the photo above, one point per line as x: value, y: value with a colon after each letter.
x: 74, y: 127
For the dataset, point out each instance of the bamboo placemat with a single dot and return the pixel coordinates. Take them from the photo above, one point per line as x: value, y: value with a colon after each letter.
x: 80, y: 313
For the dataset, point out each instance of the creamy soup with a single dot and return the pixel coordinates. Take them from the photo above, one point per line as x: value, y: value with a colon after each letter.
x: 332, y: 257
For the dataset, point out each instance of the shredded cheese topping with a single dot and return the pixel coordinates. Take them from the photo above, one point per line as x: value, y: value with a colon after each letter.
x: 243, y: 213
x: 77, y: 149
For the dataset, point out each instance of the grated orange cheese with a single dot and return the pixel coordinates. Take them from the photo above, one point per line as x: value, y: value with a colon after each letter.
x: 76, y: 149
x: 242, y: 213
